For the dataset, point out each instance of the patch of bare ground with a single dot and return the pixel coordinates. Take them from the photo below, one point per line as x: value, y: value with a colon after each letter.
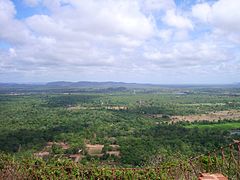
x: 208, y: 176
x: 116, y: 107
x: 76, y: 157
x: 114, y: 150
x: 154, y: 115
x: 41, y: 154
x: 212, y: 116
x: 114, y: 153
x: 63, y: 145
x: 47, y: 148
x: 83, y: 108
x: 96, y: 108
x: 114, y: 147
x: 94, y: 149
x: 97, y: 150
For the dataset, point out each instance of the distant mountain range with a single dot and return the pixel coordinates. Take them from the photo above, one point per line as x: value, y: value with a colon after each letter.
x: 96, y: 84
x: 108, y: 84
x: 76, y: 85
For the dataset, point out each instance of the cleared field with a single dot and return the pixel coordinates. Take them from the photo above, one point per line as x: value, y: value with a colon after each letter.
x: 98, y: 108
x: 114, y: 153
x: 94, y: 150
x: 224, y: 126
x: 203, y: 104
x: 83, y: 108
x: 213, y: 116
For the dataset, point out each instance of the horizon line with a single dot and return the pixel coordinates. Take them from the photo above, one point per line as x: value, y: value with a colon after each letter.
x: 141, y: 83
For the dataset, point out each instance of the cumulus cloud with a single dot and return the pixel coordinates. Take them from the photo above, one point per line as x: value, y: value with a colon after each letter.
x: 223, y: 15
x: 202, y: 11
x: 131, y: 39
x: 191, y: 53
x: 88, y: 18
x: 7, y: 10
x: 173, y: 19
x: 159, y: 5
x: 226, y: 15
x: 12, y: 30
x: 165, y: 34
x: 80, y: 33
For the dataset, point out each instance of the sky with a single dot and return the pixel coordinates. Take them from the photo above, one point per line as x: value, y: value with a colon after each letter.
x: 143, y: 41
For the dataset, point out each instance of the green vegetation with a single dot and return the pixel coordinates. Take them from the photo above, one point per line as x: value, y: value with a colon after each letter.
x: 137, y: 120
x: 62, y: 168
x: 222, y: 126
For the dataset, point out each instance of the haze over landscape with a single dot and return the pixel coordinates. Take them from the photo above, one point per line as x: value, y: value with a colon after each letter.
x: 143, y: 41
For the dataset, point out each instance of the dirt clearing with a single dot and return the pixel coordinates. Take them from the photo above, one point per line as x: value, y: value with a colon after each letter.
x: 213, y: 116
x: 94, y: 150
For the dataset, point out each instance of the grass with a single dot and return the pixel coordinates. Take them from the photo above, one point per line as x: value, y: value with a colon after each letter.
x: 224, y: 126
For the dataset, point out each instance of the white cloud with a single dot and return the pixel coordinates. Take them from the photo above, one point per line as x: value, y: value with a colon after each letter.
x: 77, y: 34
x: 159, y: 4
x: 165, y: 34
x: 226, y: 15
x: 189, y: 54
x: 12, y: 30
x: 7, y: 10
x: 127, y: 38
x: 122, y: 18
x: 223, y: 16
x: 175, y: 20
x: 12, y: 52
x: 202, y: 11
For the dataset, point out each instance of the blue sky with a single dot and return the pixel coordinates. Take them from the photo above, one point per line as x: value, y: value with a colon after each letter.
x: 25, y: 10
x: 145, y: 41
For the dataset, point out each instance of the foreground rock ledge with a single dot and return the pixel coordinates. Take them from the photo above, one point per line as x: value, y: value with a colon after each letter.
x: 207, y: 176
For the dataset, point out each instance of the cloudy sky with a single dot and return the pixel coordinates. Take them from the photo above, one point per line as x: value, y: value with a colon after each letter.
x: 147, y: 41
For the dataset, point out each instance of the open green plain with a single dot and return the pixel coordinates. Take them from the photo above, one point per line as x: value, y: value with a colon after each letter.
x: 135, y: 119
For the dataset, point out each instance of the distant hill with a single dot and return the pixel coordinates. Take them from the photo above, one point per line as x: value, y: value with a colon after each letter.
x: 97, y: 84
x: 72, y: 87
x: 110, y: 84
